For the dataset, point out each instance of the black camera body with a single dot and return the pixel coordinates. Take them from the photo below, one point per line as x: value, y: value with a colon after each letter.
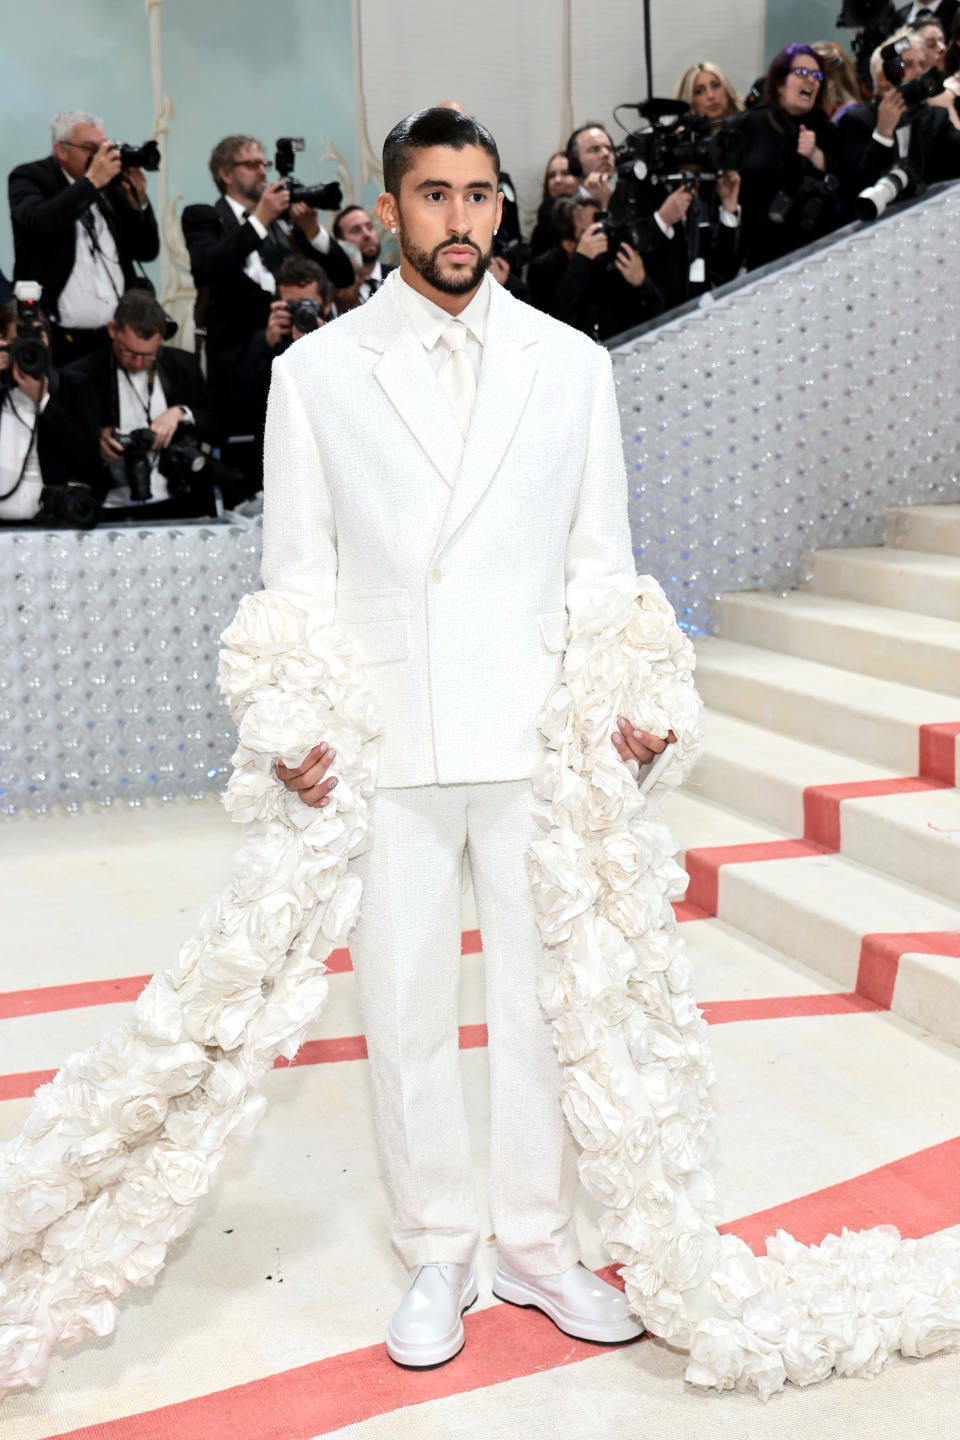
x: 690, y: 144
x: 29, y: 349
x: 814, y: 195
x: 318, y: 197
x: 72, y: 504
x: 178, y: 462
x: 137, y: 447
x: 305, y: 314
x: 914, y: 92
x: 517, y: 253
x: 140, y: 157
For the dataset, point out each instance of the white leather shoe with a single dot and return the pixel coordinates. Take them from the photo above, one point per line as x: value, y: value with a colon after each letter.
x: 426, y: 1328
x: 576, y: 1301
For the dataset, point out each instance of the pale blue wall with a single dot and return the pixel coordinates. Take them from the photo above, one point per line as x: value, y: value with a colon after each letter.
x: 265, y: 67
x: 802, y: 20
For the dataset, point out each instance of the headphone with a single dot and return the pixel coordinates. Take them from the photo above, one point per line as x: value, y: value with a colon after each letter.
x: 573, y: 159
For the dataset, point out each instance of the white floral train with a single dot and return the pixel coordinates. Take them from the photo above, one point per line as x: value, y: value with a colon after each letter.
x: 118, y: 1149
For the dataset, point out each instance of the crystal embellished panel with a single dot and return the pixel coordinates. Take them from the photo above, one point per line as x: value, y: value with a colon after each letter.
x: 785, y: 416
x: 108, y: 660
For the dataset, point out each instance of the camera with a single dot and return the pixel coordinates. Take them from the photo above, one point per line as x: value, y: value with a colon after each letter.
x: 29, y: 349
x: 874, y: 20
x: 137, y: 449
x: 516, y: 252
x: 305, y: 314
x: 814, y: 194
x: 140, y: 157
x: 71, y: 504
x: 914, y: 92
x: 900, y: 180
x: 183, y: 458
x: 318, y: 197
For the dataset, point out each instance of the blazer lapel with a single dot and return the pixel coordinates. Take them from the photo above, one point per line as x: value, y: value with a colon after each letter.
x: 507, y: 372
x: 404, y: 374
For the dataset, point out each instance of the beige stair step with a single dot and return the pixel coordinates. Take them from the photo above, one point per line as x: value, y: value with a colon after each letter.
x: 921, y: 650
x: 898, y: 579
x: 934, y: 528
x: 876, y: 721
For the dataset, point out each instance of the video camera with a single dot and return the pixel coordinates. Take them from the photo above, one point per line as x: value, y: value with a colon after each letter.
x: 874, y: 20
x: 29, y: 349
x: 914, y: 92
x: 318, y: 197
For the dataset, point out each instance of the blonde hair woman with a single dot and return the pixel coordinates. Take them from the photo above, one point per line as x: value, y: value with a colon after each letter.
x: 706, y: 89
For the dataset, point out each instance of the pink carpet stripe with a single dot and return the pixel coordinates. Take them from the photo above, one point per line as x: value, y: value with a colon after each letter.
x: 703, y: 865
x: 880, y: 958
x: 786, y: 1007
x: 18, y: 1087
x: 918, y: 1194
x: 48, y: 998
x: 938, y: 752
x: 821, y: 803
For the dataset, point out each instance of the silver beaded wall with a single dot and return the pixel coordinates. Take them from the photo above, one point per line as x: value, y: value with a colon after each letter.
x: 787, y: 415
x: 108, y: 657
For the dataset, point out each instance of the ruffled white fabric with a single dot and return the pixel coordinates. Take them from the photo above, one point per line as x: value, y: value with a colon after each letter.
x: 118, y: 1149
x: 637, y: 1068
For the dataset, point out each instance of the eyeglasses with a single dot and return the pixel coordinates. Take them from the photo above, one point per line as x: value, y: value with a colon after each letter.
x: 89, y: 147
x: 803, y: 72
x: 252, y: 165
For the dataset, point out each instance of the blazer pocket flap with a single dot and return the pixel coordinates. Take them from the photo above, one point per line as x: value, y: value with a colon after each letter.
x: 380, y: 641
x: 553, y: 628
x: 362, y: 605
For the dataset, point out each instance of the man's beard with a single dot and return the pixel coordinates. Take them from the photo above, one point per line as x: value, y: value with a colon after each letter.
x: 251, y: 189
x: 425, y: 262
x: 372, y: 254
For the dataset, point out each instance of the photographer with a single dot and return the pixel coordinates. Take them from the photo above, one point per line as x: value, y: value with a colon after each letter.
x: 236, y: 248
x: 80, y: 220
x: 48, y: 436
x: 874, y: 137
x: 138, y: 385
x: 299, y: 309
x: 580, y: 282
x: 356, y: 227
x: 790, y: 191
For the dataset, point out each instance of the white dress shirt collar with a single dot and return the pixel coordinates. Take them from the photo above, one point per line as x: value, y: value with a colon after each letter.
x: 429, y: 320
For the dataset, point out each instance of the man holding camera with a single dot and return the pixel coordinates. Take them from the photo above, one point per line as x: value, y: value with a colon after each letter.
x: 47, y: 434
x: 140, y: 385
x: 81, y: 218
x: 354, y: 225
x: 897, y: 126
x: 236, y: 248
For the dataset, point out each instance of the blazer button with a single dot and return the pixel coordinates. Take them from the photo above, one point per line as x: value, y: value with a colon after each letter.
x: 437, y: 576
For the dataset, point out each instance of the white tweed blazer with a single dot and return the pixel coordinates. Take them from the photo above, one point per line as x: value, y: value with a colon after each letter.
x: 452, y: 564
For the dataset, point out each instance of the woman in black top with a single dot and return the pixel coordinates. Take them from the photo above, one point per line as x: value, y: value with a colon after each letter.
x: 790, y: 181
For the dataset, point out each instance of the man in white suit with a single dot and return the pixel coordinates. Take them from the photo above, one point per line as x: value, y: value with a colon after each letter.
x: 444, y: 478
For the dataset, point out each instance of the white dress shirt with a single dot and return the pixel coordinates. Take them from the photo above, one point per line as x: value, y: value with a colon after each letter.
x: 429, y: 322
x: 95, y: 283
x: 253, y: 265
x: 376, y: 275
x: 18, y: 453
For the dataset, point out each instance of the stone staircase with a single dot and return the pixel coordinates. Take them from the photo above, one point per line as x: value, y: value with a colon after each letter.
x: 822, y: 826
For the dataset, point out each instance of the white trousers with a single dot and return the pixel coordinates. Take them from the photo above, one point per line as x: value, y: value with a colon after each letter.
x: 406, y: 956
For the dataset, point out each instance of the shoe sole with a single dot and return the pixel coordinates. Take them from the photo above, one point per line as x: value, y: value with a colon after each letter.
x: 515, y: 1292
x: 428, y: 1357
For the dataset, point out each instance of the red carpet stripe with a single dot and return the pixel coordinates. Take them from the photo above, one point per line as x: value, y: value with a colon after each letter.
x: 18, y: 1087
x: 918, y: 1194
x: 880, y: 958
x: 938, y: 752
x: 786, y: 1007
x: 49, y: 998
x: 821, y: 803
x: 703, y: 865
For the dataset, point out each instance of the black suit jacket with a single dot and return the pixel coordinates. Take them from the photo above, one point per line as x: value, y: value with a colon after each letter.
x: 589, y: 295
x: 945, y: 12
x: 236, y: 306
x: 177, y: 370
x: 67, y: 436
x: 45, y: 207
x: 934, y: 150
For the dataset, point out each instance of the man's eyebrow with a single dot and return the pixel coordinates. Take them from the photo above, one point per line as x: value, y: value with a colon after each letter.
x: 448, y: 185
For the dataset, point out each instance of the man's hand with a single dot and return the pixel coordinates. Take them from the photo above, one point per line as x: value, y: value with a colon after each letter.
x: 890, y: 113
x: 630, y: 264
x: 105, y: 165
x: 674, y: 207
x: 273, y: 202
x: 279, y: 323
x: 500, y: 269
x: 164, y: 426
x: 304, y: 216
x: 308, y: 781
x: 110, y: 448
x: 728, y: 190
x: 593, y: 241
x: 33, y: 388
x: 807, y: 147
x: 633, y: 744
x: 597, y: 184
x: 135, y: 186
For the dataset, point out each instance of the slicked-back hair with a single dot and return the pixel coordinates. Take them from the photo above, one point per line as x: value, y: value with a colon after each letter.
x: 426, y: 128
x: 338, y: 222
x: 142, y: 312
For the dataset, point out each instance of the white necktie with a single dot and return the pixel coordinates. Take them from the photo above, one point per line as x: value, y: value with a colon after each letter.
x: 456, y: 374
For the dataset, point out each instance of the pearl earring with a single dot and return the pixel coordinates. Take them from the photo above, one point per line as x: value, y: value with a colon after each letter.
x: 494, y: 232
x: 393, y: 229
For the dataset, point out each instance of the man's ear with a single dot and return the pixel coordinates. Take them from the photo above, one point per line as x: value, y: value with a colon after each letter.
x: 496, y: 222
x: 387, y: 212
x: 112, y: 329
